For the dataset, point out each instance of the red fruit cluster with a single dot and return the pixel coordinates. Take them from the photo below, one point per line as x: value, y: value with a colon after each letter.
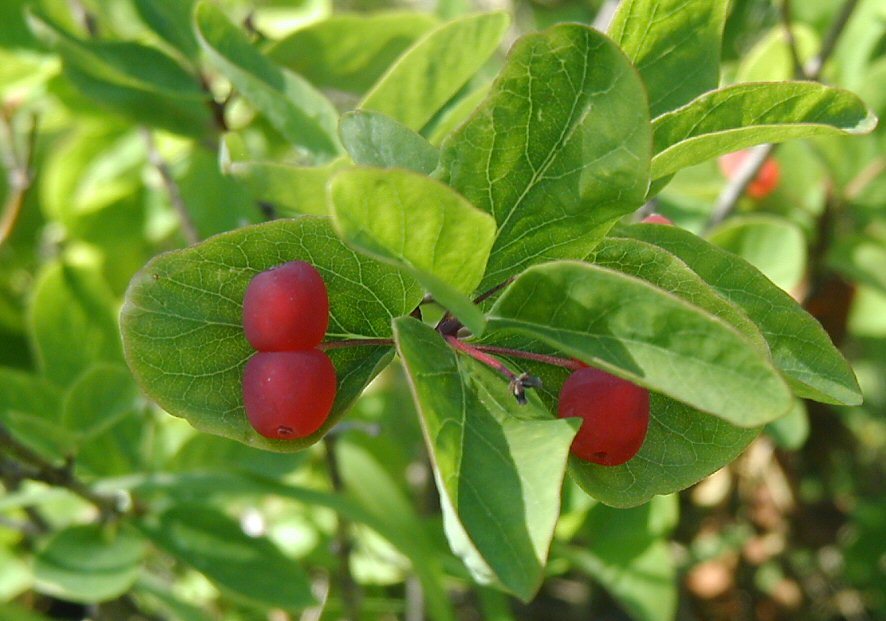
x: 763, y: 184
x: 614, y: 413
x: 289, y: 386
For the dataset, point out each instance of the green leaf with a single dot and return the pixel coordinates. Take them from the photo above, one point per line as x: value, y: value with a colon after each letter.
x: 682, y: 447
x: 374, y: 139
x: 72, y: 321
x: 30, y: 406
x: 631, y: 562
x: 557, y: 152
x: 861, y: 257
x: 137, y: 81
x: 498, y: 465
x: 89, y: 564
x: 295, y: 108
x: 646, y: 335
x: 790, y: 431
x: 349, y: 52
x: 743, y: 115
x: 98, y: 400
x: 800, y: 347
x: 182, y: 320
x: 662, y: 269
x: 419, y: 225
x: 249, y: 569
x: 457, y: 113
x: 171, y: 19
x: 771, y: 59
x: 775, y: 246
x: 675, y: 45
x: 435, y: 67
x: 291, y: 190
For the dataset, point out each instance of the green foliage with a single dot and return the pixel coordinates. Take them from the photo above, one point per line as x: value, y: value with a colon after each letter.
x: 471, y: 213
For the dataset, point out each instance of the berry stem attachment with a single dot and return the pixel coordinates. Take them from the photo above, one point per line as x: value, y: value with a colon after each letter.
x: 566, y: 363
x: 517, y: 383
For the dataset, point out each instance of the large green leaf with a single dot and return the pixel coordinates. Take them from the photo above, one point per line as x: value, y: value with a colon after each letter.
x: 498, y: 465
x: 247, y: 568
x: 349, y: 52
x: 182, y: 320
x: 775, y: 246
x: 662, y: 269
x: 419, y: 225
x: 675, y: 45
x: 295, y: 108
x: 98, y: 400
x: 375, y: 139
x: 646, y: 335
x: 140, y: 82
x: 682, y: 447
x: 89, y: 564
x: 557, y: 152
x: 291, y: 190
x: 435, y: 67
x: 743, y: 115
x: 800, y: 347
x: 31, y: 407
x: 171, y: 19
x: 72, y: 321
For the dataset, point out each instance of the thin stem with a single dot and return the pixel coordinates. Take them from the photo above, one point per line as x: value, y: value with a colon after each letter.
x: 477, y: 354
x: 735, y: 189
x: 566, y: 363
x: 349, y: 588
x: 189, y: 228
x: 786, y: 21
x: 42, y: 470
x: 20, y: 173
x: 816, y: 65
x: 488, y: 294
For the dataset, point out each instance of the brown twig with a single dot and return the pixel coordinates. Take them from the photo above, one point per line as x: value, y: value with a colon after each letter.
x: 35, y: 467
x: 814, y: 68
x: 189, y: 228
x: 786, y: 22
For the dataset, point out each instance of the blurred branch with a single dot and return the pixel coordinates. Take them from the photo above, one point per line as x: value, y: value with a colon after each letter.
x: 84, y: 16
x: 19, y: 170
x: 814, y: 68
x: 735, y: 189
x: 189, y: 228
x: 349, y: 591
x: 36, y: 468
x: 786, y: 22
x: 864, y: 178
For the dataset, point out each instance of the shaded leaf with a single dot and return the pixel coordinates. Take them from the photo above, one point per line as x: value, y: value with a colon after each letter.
x: 800, y: 347
x: 646, y: 335
x: 419, y: 225
x: 182, y: 320
x: 498, y: 465
x: 171, y: 19
x: 98, y: 400
x: 557, y: 152
x: 740, y: 116
x: 675, y: 45
x: 435, y: 67
x: 31, y: 407
x: 374, y: 139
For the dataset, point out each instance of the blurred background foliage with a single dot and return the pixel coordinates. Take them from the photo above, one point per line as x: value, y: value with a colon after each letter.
x: 794, y: 529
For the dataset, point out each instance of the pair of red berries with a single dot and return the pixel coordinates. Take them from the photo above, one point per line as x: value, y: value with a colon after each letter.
x: 289, y: 385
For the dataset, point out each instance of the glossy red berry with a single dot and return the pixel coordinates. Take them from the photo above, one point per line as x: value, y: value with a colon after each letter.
x: 614, y: 413
x: 288, y: 394
x: 763, y: 184
x: 286, y: 308
x: 656, y: 218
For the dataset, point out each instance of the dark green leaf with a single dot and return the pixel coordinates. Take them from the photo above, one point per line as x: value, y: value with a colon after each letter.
x: 374, y: 139
x: 419, y: 225
x: 790, y: 431
x: 171, y: 19
x: 646, y: 335
x: 349, y: 52
x: 249, y: 569
x: 557, y: 152
x: 498, y: 465
x: 89, y: 564
x: 675, y: 45
x: 682, y: 447
x: 31, y: 407
x: 295, y: 108
x: 182, y: 320
x: 800, y: 348
x: 435, y: 67
x: 743, y: 115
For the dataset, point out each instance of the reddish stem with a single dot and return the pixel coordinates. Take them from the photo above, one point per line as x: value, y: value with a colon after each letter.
x: 475, y: 353
x: 566, y: 363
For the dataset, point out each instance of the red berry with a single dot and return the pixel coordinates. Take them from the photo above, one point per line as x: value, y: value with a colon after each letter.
x: 288, y: 394
x: 656, y: 218
x: 286, y: 308
x: 614, y: 413
x: 765, y: 181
